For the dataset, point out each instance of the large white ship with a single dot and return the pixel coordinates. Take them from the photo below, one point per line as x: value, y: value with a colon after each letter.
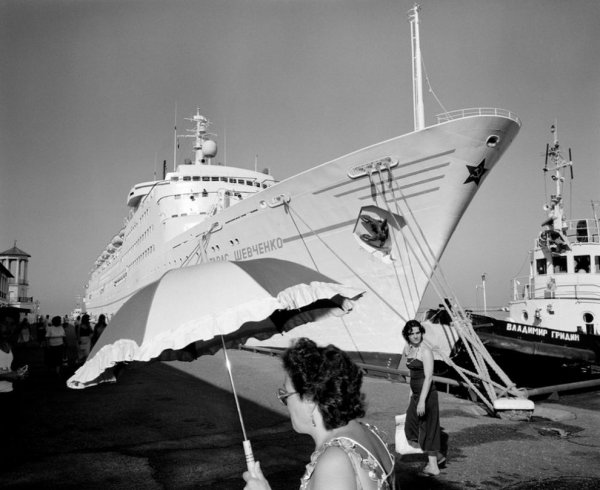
x: 378, y: 218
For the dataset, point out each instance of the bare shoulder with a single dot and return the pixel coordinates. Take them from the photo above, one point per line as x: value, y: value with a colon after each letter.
x: 333, y: 471
x: 426, y: 351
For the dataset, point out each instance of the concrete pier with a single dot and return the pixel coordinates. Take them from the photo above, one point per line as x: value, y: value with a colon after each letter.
x: 174, y: 426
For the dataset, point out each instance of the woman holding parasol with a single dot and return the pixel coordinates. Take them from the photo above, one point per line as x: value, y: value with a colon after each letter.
x: 322, y: 392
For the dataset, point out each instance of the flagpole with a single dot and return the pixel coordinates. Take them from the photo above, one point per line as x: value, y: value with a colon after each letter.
x: 245, y: 443
x: 175, y: 140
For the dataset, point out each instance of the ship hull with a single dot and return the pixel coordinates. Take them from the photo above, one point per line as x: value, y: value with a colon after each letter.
x: 419, y: 185
x: 538, y: 341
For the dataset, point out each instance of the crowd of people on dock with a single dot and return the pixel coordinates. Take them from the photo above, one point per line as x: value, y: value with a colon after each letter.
x: 66, y: 342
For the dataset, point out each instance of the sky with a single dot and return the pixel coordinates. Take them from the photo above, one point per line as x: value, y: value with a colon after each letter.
x: 90, y: 91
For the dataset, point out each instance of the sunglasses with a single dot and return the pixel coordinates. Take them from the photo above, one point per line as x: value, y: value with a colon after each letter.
x: 284, y: 395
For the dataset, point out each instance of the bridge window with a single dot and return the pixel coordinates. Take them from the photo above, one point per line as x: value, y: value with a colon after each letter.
x: 597, y: 262
x: 187, y: 178
x: 559, y: 264
x: 223, y: 179
x: 582, y: 263
x: 174, y: 179
x: 196, y: 178
x: 540, y: 266
x: 214, y: 179
x: 588, y: 319
x: 205, y: 179
x: 582, y: 231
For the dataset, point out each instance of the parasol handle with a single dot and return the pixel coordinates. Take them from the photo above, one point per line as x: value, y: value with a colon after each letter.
x: 249, y: 456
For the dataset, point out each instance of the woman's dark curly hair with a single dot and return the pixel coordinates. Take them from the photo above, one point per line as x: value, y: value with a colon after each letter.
x: 327, y: 376
x: 410, y: 324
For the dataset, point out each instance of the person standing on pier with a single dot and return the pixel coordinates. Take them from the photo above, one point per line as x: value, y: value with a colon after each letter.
x: 9, y: 409
x: 98, y: 329
x: 422, y: 427
x: 85, y: 338
x: 71, y: 343
x: 7, y: 375
x: 55, y: 344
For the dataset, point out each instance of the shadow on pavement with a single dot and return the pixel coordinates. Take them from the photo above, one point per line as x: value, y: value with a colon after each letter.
x: 157, y: 427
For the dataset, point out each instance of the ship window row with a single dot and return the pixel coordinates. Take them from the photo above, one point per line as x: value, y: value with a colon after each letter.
x: 142, y: 237
x: 120, y: 279
x: 205, y: 193
x: 197, y: 178
x: 142, y: 256
x: 581, y: 264
x: 135, y: 225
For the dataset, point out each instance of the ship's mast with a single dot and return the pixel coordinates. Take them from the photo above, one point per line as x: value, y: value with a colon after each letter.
x: 200, y: 135
x: 555, y: 208
x: 419, y: 112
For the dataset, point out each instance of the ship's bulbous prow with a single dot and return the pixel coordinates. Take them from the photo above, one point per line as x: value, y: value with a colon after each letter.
x: 209, y: 148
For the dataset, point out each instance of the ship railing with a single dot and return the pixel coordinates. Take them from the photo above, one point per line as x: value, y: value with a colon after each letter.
x: 525, y: 288
x: 477, y: 111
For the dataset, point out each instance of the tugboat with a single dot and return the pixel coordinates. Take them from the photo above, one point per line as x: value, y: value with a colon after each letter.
x: 554, y: 314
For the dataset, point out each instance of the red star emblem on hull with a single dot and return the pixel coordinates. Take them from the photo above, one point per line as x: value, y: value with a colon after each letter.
x: 476, y: 173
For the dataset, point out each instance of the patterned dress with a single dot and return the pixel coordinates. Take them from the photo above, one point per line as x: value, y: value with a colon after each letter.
x: 361, y: 458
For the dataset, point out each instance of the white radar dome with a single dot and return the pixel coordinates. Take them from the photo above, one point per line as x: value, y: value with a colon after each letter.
x: 209, y: 148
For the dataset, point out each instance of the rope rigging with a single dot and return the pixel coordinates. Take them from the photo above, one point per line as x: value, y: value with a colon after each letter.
x: 478, y: 355
x: 417, y: 247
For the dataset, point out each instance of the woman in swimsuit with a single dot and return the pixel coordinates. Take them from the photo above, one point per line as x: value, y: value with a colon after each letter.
x: 422, y: 426
x: 321, y: 390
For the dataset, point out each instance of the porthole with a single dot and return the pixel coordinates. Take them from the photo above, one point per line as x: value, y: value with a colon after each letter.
x: 588, y: 317
x: 525, y: 315
x: 492, y: 141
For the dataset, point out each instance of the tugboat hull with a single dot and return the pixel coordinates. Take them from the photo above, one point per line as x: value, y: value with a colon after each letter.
x: 501, y: 335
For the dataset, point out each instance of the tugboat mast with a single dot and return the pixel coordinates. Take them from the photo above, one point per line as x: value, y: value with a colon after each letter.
x: 555, y: 208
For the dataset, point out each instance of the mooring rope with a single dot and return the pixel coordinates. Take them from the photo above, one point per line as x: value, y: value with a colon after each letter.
x: 401, y: 257
x: 479, y: 356
x: 356, y: 274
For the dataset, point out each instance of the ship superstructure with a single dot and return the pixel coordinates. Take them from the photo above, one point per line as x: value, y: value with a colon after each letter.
x: 159, y: 212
